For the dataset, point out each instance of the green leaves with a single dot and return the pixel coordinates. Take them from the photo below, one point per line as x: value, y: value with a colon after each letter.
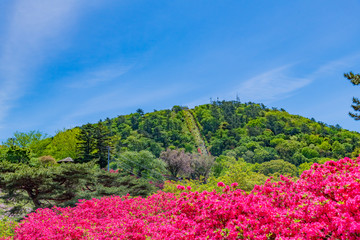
x: 7, y: 227
x: 64, y: 184
x: 16, y: 154
x: 355, y: 80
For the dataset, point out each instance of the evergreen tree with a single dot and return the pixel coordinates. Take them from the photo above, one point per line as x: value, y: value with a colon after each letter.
x: 102, y: 143
x: 355, y: 80
x: 86, y: 144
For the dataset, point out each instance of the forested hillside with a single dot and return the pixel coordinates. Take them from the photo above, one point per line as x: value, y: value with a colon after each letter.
x: 249, y: 131
x: 241, y: 130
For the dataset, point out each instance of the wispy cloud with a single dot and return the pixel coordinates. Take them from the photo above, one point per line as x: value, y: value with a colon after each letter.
x: 280, y: 83
x: 34, y: 27
x: 116, y: 100
x: 271, y: 85
x: 123, y: 98
x: 94, y: 77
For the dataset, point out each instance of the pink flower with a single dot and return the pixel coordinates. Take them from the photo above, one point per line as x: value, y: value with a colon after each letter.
x: 226, y: 189
x: 323, y: 202
x: 221, y: 184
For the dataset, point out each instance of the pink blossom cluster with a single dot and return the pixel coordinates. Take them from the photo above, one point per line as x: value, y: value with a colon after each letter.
x: 323, y: 204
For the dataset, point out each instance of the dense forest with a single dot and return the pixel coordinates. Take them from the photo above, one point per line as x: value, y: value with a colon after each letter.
x: 243, y: 130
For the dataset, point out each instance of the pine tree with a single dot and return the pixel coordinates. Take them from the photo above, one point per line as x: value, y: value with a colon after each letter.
x: 102, y: 143
x: 355, y: 80
x: 86, y: 144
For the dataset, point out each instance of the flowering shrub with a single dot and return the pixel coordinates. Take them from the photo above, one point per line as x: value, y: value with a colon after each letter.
x: 323, y: 204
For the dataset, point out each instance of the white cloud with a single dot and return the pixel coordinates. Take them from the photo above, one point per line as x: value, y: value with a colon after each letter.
x: 271, y: 85
x: 34, y: 26
x: 122, y: 98
x: 279, y: 83
x: 94, y: 77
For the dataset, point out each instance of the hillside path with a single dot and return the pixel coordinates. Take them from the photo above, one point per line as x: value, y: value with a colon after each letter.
x: 194, y: 130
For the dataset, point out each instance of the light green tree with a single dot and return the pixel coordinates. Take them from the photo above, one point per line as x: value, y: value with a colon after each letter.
x: 144, y: 164
x: 64, y: 144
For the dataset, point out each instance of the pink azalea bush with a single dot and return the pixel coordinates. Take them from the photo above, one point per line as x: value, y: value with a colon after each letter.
x: 323, y: 204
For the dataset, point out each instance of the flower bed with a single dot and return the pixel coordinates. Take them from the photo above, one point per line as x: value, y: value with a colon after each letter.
x: 323, y: 204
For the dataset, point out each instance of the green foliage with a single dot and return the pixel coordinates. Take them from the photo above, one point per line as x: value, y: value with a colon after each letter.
x: 64, y: 144
x: 86, y: 144
x: 278, y: 166
x: 143, y: 164
x: 239, y: 172
x: 16, y: 154
x: 63, y: 184
x: 309, y: 152
x: 245, y: 136
x: 304, y: 166
x: 113, y: 183
x: 7, y: 227
x: 35, y: 141
x: 245, y: 130
x: 25, y: 140
x: 355, y: 80
x: 93, y: 142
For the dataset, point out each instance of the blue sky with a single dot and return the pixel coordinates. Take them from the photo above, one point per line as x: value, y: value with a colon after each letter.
x: 64, y: 63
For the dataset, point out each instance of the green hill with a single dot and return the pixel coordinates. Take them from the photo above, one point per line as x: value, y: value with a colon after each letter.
x: 241, y: 130
x: 246, y: 130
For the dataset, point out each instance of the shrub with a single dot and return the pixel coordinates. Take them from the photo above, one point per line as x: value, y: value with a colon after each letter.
x: 47, y: 160
x: 7, y: 227
x: 322, y: 204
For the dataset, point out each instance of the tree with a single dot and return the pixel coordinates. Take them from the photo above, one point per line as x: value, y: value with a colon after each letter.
x: 278, y: 166
x: 17, y: 154
x: 177, y: 162
x: 355, y: 80
x: 93, y: 142
x: 64, y: 184
x: 143, y: 164
x: 25, y: 139
x: 34, y: 140
x: 309, y: 152
x: 86, y: 145
x: 64, y: 144
x: 102, y: 143
x: 140, y: 111
x: 201, y: 166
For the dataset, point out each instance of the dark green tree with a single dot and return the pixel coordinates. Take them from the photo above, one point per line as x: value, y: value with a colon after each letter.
x: 102, y: 143
x: 64, y: 184
x: 86, y: 145
x: 17, y: 154
x: 355, y: 80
